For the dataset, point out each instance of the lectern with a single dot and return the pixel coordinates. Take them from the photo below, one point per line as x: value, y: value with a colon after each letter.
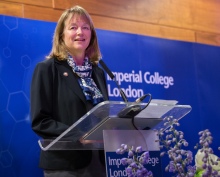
x: 87, y: 132
x: 112, y: 123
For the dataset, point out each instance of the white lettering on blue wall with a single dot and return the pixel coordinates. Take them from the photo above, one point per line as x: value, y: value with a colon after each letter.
x: 129, y: 91
x: 137, y: 77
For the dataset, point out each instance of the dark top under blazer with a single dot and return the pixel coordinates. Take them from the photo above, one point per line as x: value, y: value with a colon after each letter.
x: 57, y: 101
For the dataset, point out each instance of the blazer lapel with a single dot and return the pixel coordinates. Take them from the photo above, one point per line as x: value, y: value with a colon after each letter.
x: 70, y: 78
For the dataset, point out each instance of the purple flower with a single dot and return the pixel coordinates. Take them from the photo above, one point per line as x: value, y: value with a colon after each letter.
x: 130, y: 153
x: 139, y: 149
x: 129, y: 170
x: 133, y: 165
x: 124, y: 161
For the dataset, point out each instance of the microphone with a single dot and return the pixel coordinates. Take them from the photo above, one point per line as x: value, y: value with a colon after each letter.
x: 130, y: 110
x: 111, y: 75
x: 139, y: 100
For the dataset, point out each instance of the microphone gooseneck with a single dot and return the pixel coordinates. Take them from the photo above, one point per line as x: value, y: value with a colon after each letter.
x: 111, y: 75
x: 104, y: 66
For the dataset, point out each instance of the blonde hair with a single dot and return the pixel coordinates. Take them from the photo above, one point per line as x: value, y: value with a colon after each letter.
x: 59, y: 49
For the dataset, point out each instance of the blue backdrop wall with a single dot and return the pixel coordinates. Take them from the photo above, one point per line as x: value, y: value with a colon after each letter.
x: 190, y: 74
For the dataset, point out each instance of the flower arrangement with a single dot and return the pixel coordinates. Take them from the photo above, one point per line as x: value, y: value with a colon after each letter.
x: 207, y: 164
x: 173, y: 144
x: 134, y: 161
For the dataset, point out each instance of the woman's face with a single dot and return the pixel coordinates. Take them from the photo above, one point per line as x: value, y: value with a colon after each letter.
x: 76, y: 34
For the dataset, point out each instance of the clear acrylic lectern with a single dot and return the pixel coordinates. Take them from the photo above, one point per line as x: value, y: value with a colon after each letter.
x: 87, y: 132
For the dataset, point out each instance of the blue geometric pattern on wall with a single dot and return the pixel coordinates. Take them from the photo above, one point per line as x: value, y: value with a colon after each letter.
x: 19, y: 151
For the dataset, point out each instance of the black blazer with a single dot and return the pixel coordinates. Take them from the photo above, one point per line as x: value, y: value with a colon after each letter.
x: 57, y: 101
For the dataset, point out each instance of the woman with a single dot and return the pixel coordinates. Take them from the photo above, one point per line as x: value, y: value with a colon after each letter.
x: 64, y: 88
